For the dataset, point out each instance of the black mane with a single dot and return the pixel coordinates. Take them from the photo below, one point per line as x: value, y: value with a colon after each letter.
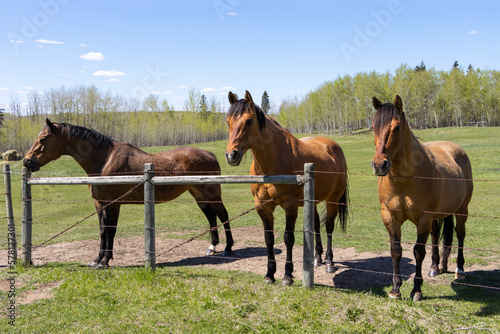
x: 94, y: 137
x: 384, y: 116
x: 241, y: 107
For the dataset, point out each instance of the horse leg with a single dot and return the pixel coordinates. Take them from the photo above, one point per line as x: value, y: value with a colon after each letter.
x: 394, y: 229
x: 266, y: 214
x: 111, y: 214
x: 460, y: 229
x: 423, y: 229
x: 447, y: 242
x: 289, y: 238
x: 102, y: 246
x: 317, y: 235
x: 221, y: 212
x: 435, y: 232
x: 331, y: 210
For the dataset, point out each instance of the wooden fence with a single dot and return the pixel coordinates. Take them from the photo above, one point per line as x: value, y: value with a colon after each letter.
x: 150, y: 181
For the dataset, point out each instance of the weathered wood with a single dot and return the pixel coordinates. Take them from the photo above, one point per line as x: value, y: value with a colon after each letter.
x: 93, y: 180
x: 11, y: 226
x: 149, y: 218
x: 218, y: 179
x: 308, y: 252
x: 26, y: 231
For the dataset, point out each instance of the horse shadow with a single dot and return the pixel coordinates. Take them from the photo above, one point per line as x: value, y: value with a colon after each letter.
x: 480, y: 286
x: 373, y: 274
x: 238, y: 254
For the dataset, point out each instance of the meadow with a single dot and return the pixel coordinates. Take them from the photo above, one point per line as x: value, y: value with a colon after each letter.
x: 185, y: 299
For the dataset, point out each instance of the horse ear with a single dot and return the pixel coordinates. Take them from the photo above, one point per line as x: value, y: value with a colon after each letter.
x: 232, y: 98
x: 398, y: 103
x: 51, y: 126
x: 248, y: 98
x: 376, y: 103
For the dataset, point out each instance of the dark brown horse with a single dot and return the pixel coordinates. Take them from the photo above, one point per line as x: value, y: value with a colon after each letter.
x: 427, y: 184
x: 277, y: 152
x: 99, y: 155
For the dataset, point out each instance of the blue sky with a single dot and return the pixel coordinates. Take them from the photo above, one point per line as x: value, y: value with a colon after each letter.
x: 288, y: 48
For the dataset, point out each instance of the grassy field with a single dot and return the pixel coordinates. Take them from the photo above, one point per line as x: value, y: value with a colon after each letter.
x: 178, y: 299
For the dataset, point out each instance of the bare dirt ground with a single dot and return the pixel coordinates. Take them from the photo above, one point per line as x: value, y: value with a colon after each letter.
x: 363, y: 270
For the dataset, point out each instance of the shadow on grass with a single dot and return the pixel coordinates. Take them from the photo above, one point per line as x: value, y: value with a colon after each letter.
x: 239, y: 254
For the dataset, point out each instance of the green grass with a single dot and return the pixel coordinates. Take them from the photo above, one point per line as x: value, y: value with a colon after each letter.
x: 183, y: 299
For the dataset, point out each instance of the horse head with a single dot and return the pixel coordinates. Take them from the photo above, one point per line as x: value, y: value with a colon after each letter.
x: 388, y: 128
x: 47, y: 147
x: 246, y: 121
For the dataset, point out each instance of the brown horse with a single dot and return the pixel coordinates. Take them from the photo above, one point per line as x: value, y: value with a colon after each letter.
x: 424, y: 183
x: 277, y: 152
x: 99, y: 155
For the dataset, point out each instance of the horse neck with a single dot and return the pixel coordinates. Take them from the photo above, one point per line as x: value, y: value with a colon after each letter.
x: 273, y: 147
x: 412, y: 146
x: 90, y: 157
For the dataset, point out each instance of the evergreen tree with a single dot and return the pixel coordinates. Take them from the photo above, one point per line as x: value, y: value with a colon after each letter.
x: 420, y: 67
x: 265, y: 103
x: 204, y: 107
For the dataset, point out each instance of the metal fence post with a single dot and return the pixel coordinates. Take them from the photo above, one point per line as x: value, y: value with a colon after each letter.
x: 149, y: 217
x: 26, y: 218
x: 11, y: 226
x: 308, y: 257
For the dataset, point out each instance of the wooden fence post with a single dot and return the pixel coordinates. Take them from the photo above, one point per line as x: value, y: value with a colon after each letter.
x: 149, y: 217
x: 308, y: 257
x: 26, y: 218
x: 11, y: 226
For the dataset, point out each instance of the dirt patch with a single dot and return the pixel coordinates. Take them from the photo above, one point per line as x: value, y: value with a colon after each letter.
x: 353, y: 269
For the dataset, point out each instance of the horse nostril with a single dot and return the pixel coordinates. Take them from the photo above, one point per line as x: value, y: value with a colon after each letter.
x: 385, y: 163
x: 234, y: 154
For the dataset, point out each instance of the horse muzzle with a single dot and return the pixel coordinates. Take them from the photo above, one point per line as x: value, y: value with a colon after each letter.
x: 31, y: 164
x: 382, y: 168
x: 234, y: 158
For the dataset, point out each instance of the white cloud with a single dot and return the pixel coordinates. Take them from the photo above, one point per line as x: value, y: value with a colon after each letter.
x: 110, y: 73
x: 157, y: 92
x: 29, y: 88
x: 114, y: 80
x: 17, y: 41
x: 232, y: 13
x: 83, y: 45
x: 472, y: 32
x: 93, y: 56
x: 227, y: 88
x: 64, y: 75
x: 182, y: 86
x: 208, y: 89
x: 45, y: 41
x: 4, y: 89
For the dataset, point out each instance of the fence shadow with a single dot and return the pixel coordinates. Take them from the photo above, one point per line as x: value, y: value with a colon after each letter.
x: 238, y: 254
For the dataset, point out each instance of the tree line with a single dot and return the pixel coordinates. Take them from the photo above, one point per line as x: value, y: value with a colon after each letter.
x: 431, y: 99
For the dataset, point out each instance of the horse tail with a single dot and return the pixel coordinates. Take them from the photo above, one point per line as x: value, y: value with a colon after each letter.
x: 344, y: 209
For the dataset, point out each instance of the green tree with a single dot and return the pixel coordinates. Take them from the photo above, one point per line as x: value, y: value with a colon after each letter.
x: 265, y: 105
x: 203, y: 108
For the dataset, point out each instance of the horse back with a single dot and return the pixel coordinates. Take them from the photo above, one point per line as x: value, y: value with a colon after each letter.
x: 325, y: 152
x: 450, y: 159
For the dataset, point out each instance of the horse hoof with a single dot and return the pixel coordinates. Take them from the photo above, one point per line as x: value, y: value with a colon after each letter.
x: 102, y: 266
x: 287, y: 281
x: 269, y: 280
x: 227, y: 253
x: 459, y: 274
x: 210, y: 252
x: 433, y: 273
x: 317, y: 262
x: 417, y: 296
x: 330, y: 268
x: 93, y: 264
x: 395, y: 295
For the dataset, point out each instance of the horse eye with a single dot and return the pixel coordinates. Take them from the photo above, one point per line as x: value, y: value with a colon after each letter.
x: 396, y: 128
x: 249, y: 122
x: 42, y: 140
